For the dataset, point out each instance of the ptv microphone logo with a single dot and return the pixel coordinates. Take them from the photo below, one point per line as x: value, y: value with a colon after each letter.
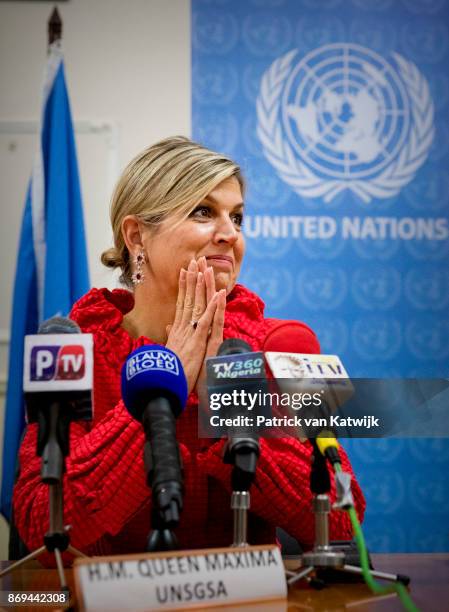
x: 57, y: 362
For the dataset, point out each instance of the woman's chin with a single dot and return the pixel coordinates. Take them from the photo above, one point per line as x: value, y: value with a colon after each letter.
x: 223, y: 280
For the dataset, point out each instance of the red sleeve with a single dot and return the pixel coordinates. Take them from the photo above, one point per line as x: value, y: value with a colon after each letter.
x: 281, y: 491
x: 104, y: 483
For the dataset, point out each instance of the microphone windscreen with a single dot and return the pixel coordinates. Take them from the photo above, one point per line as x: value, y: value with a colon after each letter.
x: 59, y: 325
x: 234, y: 346
x: 291, y: 337
x: 153, y: 371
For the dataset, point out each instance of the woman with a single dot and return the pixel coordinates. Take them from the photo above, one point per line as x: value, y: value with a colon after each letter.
x: 177, y: 218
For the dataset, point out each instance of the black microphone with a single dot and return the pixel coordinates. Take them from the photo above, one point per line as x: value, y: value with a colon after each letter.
x: 237, y: 375
x: 58, y: 369
x: 154, y: 390
x: 234, y: 346
x: 240, y: 441
x: 59, y: 325
x: 239, y: 368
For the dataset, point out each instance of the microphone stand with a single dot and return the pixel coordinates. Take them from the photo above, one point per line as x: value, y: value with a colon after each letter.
x: 324, y: 556
x: 243, y: 454
x: 53, y: 447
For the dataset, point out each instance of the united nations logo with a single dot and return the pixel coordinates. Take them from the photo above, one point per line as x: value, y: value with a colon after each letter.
x: 345, y: 118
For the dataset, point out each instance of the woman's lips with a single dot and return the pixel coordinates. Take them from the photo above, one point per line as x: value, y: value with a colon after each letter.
x: 220, y: 261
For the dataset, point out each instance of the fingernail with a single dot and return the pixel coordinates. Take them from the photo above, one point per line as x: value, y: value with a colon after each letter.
x: 182, y: 272
x: 192, y: 265
x: 199, y: 277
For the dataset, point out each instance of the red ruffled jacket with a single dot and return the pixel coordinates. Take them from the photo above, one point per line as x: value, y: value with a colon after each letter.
x: 106, y: 499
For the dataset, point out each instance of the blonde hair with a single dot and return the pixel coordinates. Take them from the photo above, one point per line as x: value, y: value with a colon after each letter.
x: 169, y: 178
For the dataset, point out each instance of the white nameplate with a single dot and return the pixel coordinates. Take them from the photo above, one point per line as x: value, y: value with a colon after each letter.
x: 180, y: 579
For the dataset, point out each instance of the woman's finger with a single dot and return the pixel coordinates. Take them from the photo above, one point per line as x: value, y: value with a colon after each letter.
x: 200, y: 298
x: 216, y: 336
x: 210, y: 283
x: 189, y: 299
x: 181, y: 295
x: 202, y: 265
x: 205, y: 321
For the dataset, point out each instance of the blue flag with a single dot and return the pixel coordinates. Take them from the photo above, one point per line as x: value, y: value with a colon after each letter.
x: 52, y: 271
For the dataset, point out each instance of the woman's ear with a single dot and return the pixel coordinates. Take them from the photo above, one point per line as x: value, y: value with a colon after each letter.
x: 131, y: 234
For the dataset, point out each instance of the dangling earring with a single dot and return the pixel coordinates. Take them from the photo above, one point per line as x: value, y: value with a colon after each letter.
x: 138, y: 276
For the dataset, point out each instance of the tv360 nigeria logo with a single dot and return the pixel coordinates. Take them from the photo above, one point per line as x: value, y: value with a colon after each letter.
x: 345, y: 118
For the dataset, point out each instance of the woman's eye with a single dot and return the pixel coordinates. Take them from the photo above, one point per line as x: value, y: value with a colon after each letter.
x: 201, y: 212
x: 238, y: 219
x: 205, y: 212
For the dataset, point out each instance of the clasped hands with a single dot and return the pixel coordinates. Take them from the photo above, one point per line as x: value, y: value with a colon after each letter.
x: 197, y: 330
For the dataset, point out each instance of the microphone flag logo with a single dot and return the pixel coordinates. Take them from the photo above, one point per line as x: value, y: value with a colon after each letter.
x: 57, y: 362
x: 153, y: 360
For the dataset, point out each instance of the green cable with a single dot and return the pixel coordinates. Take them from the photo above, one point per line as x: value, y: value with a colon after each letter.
x: 376, y: 587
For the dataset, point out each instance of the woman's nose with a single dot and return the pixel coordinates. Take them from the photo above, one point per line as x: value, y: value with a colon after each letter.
x: 225, y: 230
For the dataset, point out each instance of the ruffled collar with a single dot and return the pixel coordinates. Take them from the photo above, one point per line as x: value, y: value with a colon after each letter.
x: 103, y: 310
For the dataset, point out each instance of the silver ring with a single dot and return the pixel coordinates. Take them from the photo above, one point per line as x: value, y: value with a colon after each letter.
x: 194, y: 324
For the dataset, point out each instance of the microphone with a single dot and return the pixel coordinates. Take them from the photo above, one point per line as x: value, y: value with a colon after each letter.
x: 237, y: 371
x: 291, y: 337
x: 241, y: 370
x: 241, y: 441
x: 236, y: 368
x: 403, y: 406
x: 57, y: 382
x: 154, y: 390
x: 59, y: 325
x: 293, y: 355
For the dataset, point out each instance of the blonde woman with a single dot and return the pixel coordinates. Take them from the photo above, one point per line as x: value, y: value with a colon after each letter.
x: 176, y: 216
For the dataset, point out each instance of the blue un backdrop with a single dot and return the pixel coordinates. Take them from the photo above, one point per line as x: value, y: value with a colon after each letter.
x: 337, y: 111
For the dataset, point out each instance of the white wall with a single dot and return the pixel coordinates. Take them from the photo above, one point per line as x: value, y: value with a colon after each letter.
x: 128, y: 72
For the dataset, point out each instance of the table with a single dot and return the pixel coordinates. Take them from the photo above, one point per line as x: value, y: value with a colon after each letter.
x: 429, y: 575
x: 429, y: 587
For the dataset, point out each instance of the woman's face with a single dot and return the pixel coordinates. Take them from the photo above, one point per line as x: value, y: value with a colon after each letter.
x: 212, y: 230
